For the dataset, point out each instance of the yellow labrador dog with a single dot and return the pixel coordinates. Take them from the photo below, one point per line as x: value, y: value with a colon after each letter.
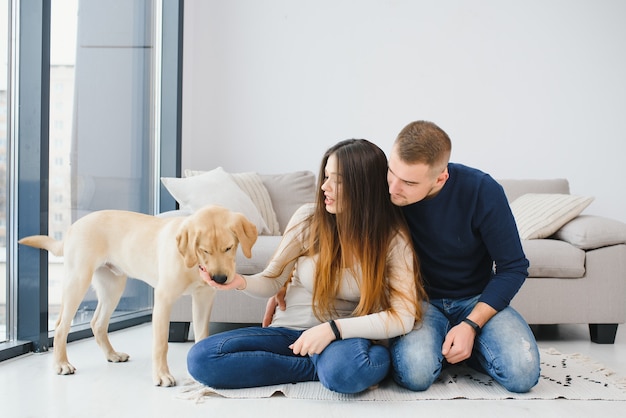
x: 105, y: 247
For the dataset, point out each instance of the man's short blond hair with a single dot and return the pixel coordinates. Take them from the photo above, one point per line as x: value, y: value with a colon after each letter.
x: 423, y: 142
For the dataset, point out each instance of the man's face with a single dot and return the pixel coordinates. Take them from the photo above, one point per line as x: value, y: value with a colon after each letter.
x: 410, y: 183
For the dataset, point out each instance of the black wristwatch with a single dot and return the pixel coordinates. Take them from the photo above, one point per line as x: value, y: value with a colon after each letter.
x: 473, y: 324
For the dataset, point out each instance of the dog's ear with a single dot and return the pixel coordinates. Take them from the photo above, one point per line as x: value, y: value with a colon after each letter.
x: 246, y: 233
x: 185, y: 240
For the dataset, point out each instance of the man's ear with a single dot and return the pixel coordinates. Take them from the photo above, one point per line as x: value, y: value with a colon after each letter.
x: 443, y: 177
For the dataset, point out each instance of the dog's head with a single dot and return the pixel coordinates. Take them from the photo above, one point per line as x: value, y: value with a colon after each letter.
x: 210, y: 237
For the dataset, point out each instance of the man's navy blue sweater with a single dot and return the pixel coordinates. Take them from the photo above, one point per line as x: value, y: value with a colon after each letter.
x: 467, y: 241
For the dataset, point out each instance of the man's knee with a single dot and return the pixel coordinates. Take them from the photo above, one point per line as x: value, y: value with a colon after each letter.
x: 522, y: 373
x: 521, y: 381
x: 414, y: 369
x: 416, y: 380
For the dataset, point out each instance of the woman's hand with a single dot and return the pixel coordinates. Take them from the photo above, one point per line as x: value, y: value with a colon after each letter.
x: 238, y: 282
x: 313, y: 340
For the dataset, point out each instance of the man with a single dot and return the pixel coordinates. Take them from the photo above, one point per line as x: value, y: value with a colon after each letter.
x: 472, y: 265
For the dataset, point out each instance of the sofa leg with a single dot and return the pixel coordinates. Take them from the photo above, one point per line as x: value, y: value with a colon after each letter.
x: 179, y: 331
x: 603, y: 333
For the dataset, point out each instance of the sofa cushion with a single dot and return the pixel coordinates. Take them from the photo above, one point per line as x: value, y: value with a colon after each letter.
x: 215, y: 187
x: 589, y: 232
x: 554, y: 258
x: 288, y: 192
x: 539, y: 215
x: 262, y: 251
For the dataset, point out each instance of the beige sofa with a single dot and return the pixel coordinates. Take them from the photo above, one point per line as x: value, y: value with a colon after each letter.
x: 576, y: 276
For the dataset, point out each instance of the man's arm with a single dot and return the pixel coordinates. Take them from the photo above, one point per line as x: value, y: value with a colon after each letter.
x: 277, y: 300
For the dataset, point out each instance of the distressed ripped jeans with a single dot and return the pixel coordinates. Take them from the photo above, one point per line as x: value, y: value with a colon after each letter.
x: 506, y: 348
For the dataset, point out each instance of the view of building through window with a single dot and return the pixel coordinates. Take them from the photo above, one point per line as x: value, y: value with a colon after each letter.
x: 64, y: 19
x: 4, y: 65
x: 61, y: 104
x: 62, y: 83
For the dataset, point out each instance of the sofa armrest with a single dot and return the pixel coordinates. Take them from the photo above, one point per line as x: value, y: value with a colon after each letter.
x: 514, y: 188
x: 588, y: 232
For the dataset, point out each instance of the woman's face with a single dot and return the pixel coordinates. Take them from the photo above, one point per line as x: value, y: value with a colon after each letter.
x: 331, y: 185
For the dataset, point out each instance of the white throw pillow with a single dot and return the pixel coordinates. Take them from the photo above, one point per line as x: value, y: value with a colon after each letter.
x: 252, y: 185
x: 215, y: 187
x: 539, y: 215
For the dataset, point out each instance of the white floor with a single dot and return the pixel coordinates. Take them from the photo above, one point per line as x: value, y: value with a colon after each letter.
x: 29, y: 388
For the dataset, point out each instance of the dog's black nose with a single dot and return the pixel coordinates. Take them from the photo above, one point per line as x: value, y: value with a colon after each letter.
x: 219, y: 278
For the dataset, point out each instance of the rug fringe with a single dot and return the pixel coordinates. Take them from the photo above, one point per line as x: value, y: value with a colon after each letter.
x: 552, y: 351
x: 597, y: 367
x: 194, y: 391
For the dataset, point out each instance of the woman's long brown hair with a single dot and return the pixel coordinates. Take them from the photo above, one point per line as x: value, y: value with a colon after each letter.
x: 360, y: 234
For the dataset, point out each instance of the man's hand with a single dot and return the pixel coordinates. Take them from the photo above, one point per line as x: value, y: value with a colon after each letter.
x: 313, y: 340
x: 459, y: 343
x: 277, y: 300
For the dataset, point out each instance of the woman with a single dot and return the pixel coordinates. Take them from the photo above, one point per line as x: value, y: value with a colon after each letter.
x: 354, y: 280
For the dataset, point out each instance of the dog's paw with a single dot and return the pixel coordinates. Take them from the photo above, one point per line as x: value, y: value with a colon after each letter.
x: 117, y: 357
x: 164, y: 379
x: 64, y: 368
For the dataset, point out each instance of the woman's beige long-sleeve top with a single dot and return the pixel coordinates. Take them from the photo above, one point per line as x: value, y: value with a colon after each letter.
x: 299, y: 296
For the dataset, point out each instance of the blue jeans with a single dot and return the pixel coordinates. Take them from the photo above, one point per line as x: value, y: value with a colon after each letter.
x: 506, y: 348
x: 255, y: 356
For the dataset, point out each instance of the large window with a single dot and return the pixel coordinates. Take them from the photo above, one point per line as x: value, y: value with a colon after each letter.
x: 94, y: 85
x: 101, y: 126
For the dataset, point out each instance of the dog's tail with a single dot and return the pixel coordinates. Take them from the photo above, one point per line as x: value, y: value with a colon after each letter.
x: 45, y: 243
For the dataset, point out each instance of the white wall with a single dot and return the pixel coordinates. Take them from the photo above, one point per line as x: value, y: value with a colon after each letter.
x: 524, y: 88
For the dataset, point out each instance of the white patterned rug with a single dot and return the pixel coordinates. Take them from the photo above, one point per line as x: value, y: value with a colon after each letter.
x: 562, y: 377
